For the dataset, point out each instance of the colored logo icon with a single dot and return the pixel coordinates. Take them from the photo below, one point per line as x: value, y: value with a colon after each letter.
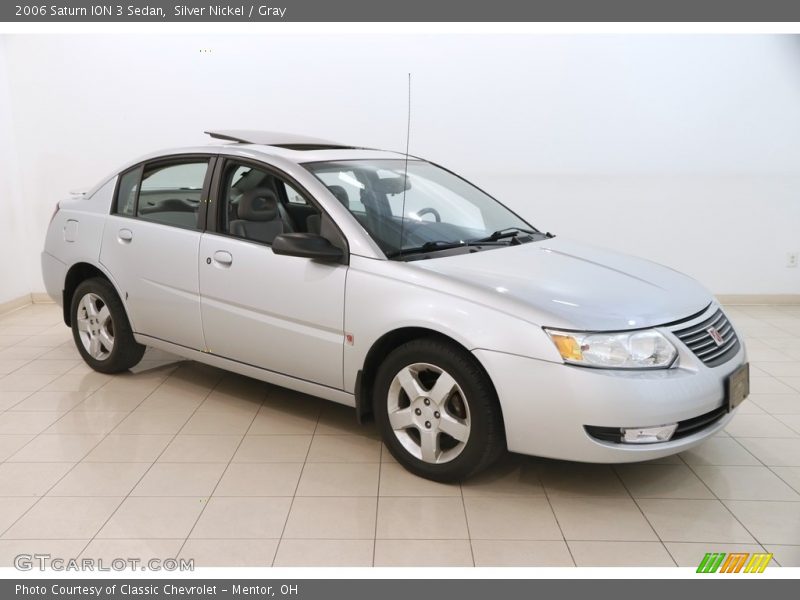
x: 735, y: 562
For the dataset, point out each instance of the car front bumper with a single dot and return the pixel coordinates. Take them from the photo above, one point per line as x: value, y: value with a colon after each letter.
x: 547, y: 405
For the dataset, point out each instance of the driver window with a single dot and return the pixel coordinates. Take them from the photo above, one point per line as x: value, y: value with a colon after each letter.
x: 170, y: 194
x: 259, y: 206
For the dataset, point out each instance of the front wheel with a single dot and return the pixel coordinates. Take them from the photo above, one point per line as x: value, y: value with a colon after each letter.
x: 437, y: 410
x: 101, y: 329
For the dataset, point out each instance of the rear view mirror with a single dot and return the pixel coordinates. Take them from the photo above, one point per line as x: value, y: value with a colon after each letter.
x: 306, y: 245
x: 392, y: 185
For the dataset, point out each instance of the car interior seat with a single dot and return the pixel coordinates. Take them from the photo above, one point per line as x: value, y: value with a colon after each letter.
x: 258, y: 216
x: 313, y: 222
x: 341, y: 195
x: 286, y: 218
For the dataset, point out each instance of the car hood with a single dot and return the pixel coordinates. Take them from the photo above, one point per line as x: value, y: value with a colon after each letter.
x: 574, y: 285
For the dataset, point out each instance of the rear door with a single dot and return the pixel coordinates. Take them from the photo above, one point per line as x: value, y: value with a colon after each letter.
x: 151, y: 243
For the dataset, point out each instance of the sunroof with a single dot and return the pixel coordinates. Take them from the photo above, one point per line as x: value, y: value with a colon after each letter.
x: 289, y: 141
x: 312, y: 146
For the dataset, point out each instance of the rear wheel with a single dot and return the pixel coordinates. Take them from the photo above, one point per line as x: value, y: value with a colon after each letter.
x: 438, y: 411
x: 101, y: 329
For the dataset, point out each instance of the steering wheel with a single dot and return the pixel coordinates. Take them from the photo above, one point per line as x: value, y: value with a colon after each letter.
x: 430, y: 211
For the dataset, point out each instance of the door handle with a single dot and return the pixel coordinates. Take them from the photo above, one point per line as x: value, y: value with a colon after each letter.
x: 223, y: 258
x: 125, y: 235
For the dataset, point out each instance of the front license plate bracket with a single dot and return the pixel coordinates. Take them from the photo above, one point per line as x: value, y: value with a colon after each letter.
x: 737, y: 386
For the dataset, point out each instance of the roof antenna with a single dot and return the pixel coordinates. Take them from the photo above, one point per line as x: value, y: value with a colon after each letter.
x: 405, y: 170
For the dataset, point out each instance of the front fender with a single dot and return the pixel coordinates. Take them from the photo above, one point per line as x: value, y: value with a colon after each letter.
x: 376, y: 304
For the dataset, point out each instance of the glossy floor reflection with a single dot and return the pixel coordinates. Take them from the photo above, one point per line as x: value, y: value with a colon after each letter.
x: 179, y: 459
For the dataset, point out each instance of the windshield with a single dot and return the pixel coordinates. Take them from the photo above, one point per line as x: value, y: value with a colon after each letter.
x: 441, y: 209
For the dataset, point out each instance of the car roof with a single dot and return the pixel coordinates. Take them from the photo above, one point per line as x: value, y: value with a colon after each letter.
x: 294, y: 148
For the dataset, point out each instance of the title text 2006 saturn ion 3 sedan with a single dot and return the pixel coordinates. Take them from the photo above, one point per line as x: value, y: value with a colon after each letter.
x: 392, y: 285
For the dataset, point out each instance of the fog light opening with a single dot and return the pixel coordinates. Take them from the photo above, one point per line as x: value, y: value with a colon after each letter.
x: 648, y: 435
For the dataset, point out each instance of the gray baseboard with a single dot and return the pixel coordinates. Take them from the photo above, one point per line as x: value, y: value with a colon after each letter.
x: 17, y: 303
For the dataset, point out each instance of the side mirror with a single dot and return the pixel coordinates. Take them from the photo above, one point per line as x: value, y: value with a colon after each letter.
x: 306, y: 245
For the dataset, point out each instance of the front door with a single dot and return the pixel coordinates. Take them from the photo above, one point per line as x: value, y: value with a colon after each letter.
x: 281, y: 313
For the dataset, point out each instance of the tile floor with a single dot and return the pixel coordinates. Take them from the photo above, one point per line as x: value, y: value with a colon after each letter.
x: 179, y: 459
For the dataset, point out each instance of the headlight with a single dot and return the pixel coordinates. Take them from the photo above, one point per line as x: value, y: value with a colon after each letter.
x: 647, y: 349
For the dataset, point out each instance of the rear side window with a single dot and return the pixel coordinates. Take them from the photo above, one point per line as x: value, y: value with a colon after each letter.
x: 170, y: 193
x: 127, y: 191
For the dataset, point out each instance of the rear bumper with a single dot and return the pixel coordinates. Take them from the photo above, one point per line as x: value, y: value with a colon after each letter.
x: 53, y: 272
x: 546, y: 405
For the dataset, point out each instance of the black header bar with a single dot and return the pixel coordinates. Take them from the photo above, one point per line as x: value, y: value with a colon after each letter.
x: 149, y: 11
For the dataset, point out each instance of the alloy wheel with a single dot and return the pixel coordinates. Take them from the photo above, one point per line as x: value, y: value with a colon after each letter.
x: 428, y: 413
x: 95, y: 326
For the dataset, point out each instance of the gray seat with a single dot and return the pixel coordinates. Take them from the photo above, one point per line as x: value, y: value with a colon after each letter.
x: 341, y: 195
x: 288, y: 221
x: 258, y: 216
x: 314, y: 222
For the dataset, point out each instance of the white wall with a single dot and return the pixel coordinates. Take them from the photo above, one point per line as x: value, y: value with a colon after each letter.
x: 683, y: 149
x: 15, y: 277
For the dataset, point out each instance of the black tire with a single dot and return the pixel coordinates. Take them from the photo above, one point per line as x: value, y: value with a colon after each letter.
x: 126, y: 352
x: 486, y: 440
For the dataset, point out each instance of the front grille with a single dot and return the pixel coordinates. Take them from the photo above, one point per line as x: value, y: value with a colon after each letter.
x: 699, y: 340
x: 684, y: 429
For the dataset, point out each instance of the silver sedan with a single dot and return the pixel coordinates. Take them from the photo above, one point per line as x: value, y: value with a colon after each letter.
x: 388, y: 283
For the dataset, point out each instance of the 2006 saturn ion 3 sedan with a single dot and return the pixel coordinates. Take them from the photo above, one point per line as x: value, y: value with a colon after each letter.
x: 390, y: 284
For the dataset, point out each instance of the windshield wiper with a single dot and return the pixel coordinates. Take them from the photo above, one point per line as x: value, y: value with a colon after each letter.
x: 428, y: 247
x: 508, y: 232
x: 500, y: 234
